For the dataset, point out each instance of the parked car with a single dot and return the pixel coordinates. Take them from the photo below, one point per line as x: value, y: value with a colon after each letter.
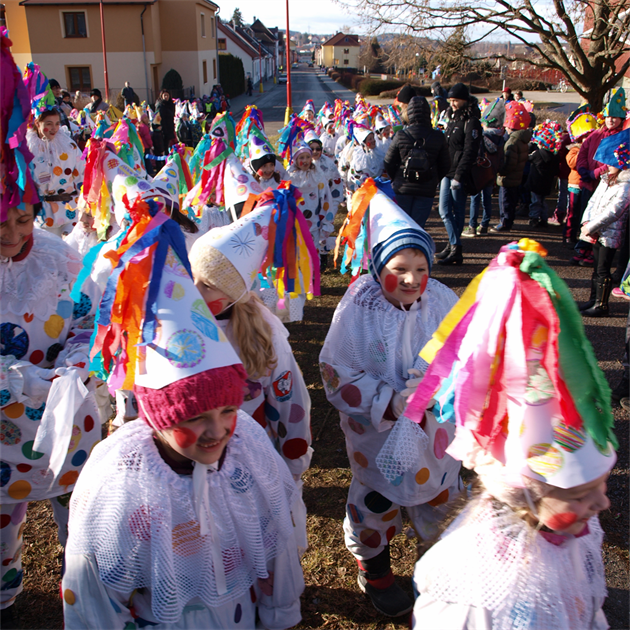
x: 282, y: 78
x: 310, y: 64
x: 295, y: 65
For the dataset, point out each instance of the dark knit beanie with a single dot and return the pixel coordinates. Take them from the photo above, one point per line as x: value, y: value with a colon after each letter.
x: 459, y: 90
x: 188, y: 397
x: 405, y: 94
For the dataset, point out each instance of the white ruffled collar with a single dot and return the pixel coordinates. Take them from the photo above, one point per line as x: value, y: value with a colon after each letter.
x: 136, y: 516
x: 32, y: 285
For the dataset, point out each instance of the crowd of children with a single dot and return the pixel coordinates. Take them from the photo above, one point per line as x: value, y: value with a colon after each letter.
x: 168, y: 294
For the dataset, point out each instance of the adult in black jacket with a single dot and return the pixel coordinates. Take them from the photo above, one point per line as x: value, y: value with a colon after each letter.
x: 416, y: 198
x: 166, y: 109
x: 463, y: 135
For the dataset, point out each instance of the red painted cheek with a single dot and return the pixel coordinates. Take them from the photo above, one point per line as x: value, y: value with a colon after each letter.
x: 391, y: 282
x: 233, y: 427
x: 423, y: 284
x: 559, y: 522
x: 184, y: 437
x: 216, y: 306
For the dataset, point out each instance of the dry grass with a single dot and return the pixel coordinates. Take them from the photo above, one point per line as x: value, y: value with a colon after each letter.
x: 332, y: 599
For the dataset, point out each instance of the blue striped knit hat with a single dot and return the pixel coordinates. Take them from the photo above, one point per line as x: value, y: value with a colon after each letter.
x: 391, y: 230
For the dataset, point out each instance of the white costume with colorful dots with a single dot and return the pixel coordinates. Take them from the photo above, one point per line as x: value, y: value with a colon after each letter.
x: 279, y: 401
x: 493, y: 571
x: 135, y: 555
x: 37, y: 316
x: 362, y: 366
x: 57, y: 168
x: 316, y: 205
x: 329, y: 143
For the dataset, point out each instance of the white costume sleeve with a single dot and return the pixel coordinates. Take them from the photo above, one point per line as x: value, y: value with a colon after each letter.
x: 288, y: 408
x: 87, y: 602
x: 437, y: 615
x: 341, y: 386
x: 281, y: 609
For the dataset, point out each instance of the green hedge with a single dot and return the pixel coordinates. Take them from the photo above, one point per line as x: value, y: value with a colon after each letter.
x: 373, y: 87
x: 232, y: 75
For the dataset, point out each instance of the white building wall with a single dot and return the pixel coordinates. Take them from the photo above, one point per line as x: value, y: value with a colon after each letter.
x: 250, y: 65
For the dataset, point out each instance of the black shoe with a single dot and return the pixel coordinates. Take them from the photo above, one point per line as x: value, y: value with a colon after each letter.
x: 323, y: 262
x: 501, y: 227
x: 445, y: 252
x: 9, y: 619
x: 391, y: 601
x: 534, y: 222
x: 600, y: 308
x: 454, y: 258
x: 591, y: 300
x: 623, y: 388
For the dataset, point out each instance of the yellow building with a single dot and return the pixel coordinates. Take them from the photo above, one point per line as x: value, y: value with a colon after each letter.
x: 144, y: 40
x: 340, y: 51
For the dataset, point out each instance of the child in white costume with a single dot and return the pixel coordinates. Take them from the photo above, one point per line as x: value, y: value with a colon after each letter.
x: 313, y: 184
x: 182, y: 519
x: 329, y: 138
x: 276, y: 393
x: 49, y: 419
x: 526, y: 552
x: 369, y: 365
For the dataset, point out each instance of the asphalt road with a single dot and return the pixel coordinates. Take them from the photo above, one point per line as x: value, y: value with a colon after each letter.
x: 305, y: 83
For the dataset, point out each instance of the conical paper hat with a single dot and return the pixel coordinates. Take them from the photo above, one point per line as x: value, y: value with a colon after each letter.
x: 244, y: 243
x: 238, y: 183
x: 188, y: 340
x: 259, y: 147
x: 166, y: 184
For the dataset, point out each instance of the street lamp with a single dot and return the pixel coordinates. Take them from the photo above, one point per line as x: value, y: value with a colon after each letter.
x: 289, y: 110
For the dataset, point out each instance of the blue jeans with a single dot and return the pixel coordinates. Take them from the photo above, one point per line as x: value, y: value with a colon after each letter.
x: 418, y: 208
x: 563, y: 198
x: 538, y: 207
x: 452, y: 210
x: 484, y: 199
x: 508, y: 200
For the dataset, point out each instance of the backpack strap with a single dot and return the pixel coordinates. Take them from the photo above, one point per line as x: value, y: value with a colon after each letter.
x: 415, y: 142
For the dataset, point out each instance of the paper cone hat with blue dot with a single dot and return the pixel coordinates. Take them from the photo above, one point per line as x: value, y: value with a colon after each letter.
x: 154, y: 328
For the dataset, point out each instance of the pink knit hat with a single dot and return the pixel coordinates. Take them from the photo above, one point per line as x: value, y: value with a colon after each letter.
x: 189, y: 397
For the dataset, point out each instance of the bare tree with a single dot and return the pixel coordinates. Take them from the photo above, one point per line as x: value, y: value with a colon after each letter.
x: 587, y: 40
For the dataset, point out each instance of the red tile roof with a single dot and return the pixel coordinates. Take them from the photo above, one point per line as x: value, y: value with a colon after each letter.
x: 343, y: 39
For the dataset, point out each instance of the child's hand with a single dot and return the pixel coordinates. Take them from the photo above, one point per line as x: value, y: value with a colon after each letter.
x: 412, y: 383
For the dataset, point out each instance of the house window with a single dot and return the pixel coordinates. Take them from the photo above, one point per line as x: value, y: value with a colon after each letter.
x: 203, y: 25
x: 222, y: 44
x: 346, y: 62
x: 346, y: 51
x: 205, y: 72
x: 74, y: 24
x: 79, y: 79
x: 213, y: 27
x: 214, y: 69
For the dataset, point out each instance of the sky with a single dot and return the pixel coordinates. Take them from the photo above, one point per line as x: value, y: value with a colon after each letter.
x: 320, y: 16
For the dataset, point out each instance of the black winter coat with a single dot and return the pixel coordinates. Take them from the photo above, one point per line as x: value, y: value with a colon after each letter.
x: 166, y: 110
x: 463, y: 135
x: 545, y: 167
x: 419, y: 113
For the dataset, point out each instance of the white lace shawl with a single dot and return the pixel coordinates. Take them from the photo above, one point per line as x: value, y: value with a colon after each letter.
x: 491, y: 558
x: 32, y: 285
x: 136, y: 516
x: 366, y: 333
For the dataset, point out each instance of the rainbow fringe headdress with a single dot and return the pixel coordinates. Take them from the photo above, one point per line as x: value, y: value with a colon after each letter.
x: 512, y: 368
x: 16, y: 182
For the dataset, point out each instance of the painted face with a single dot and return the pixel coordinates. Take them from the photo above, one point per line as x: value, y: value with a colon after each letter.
x: 370, y: 142
x: 202, y: 438
x: 266, y: 170
x: 316, y: 148
x: 612, y: 122
x: 404, y: 278
x: 457, y: 103
x: 567, y: 511
x: 87, y: 222
x: 304, y: 161
x: 15, y: 231
x: 48, y: 127
x: 216, y: 300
